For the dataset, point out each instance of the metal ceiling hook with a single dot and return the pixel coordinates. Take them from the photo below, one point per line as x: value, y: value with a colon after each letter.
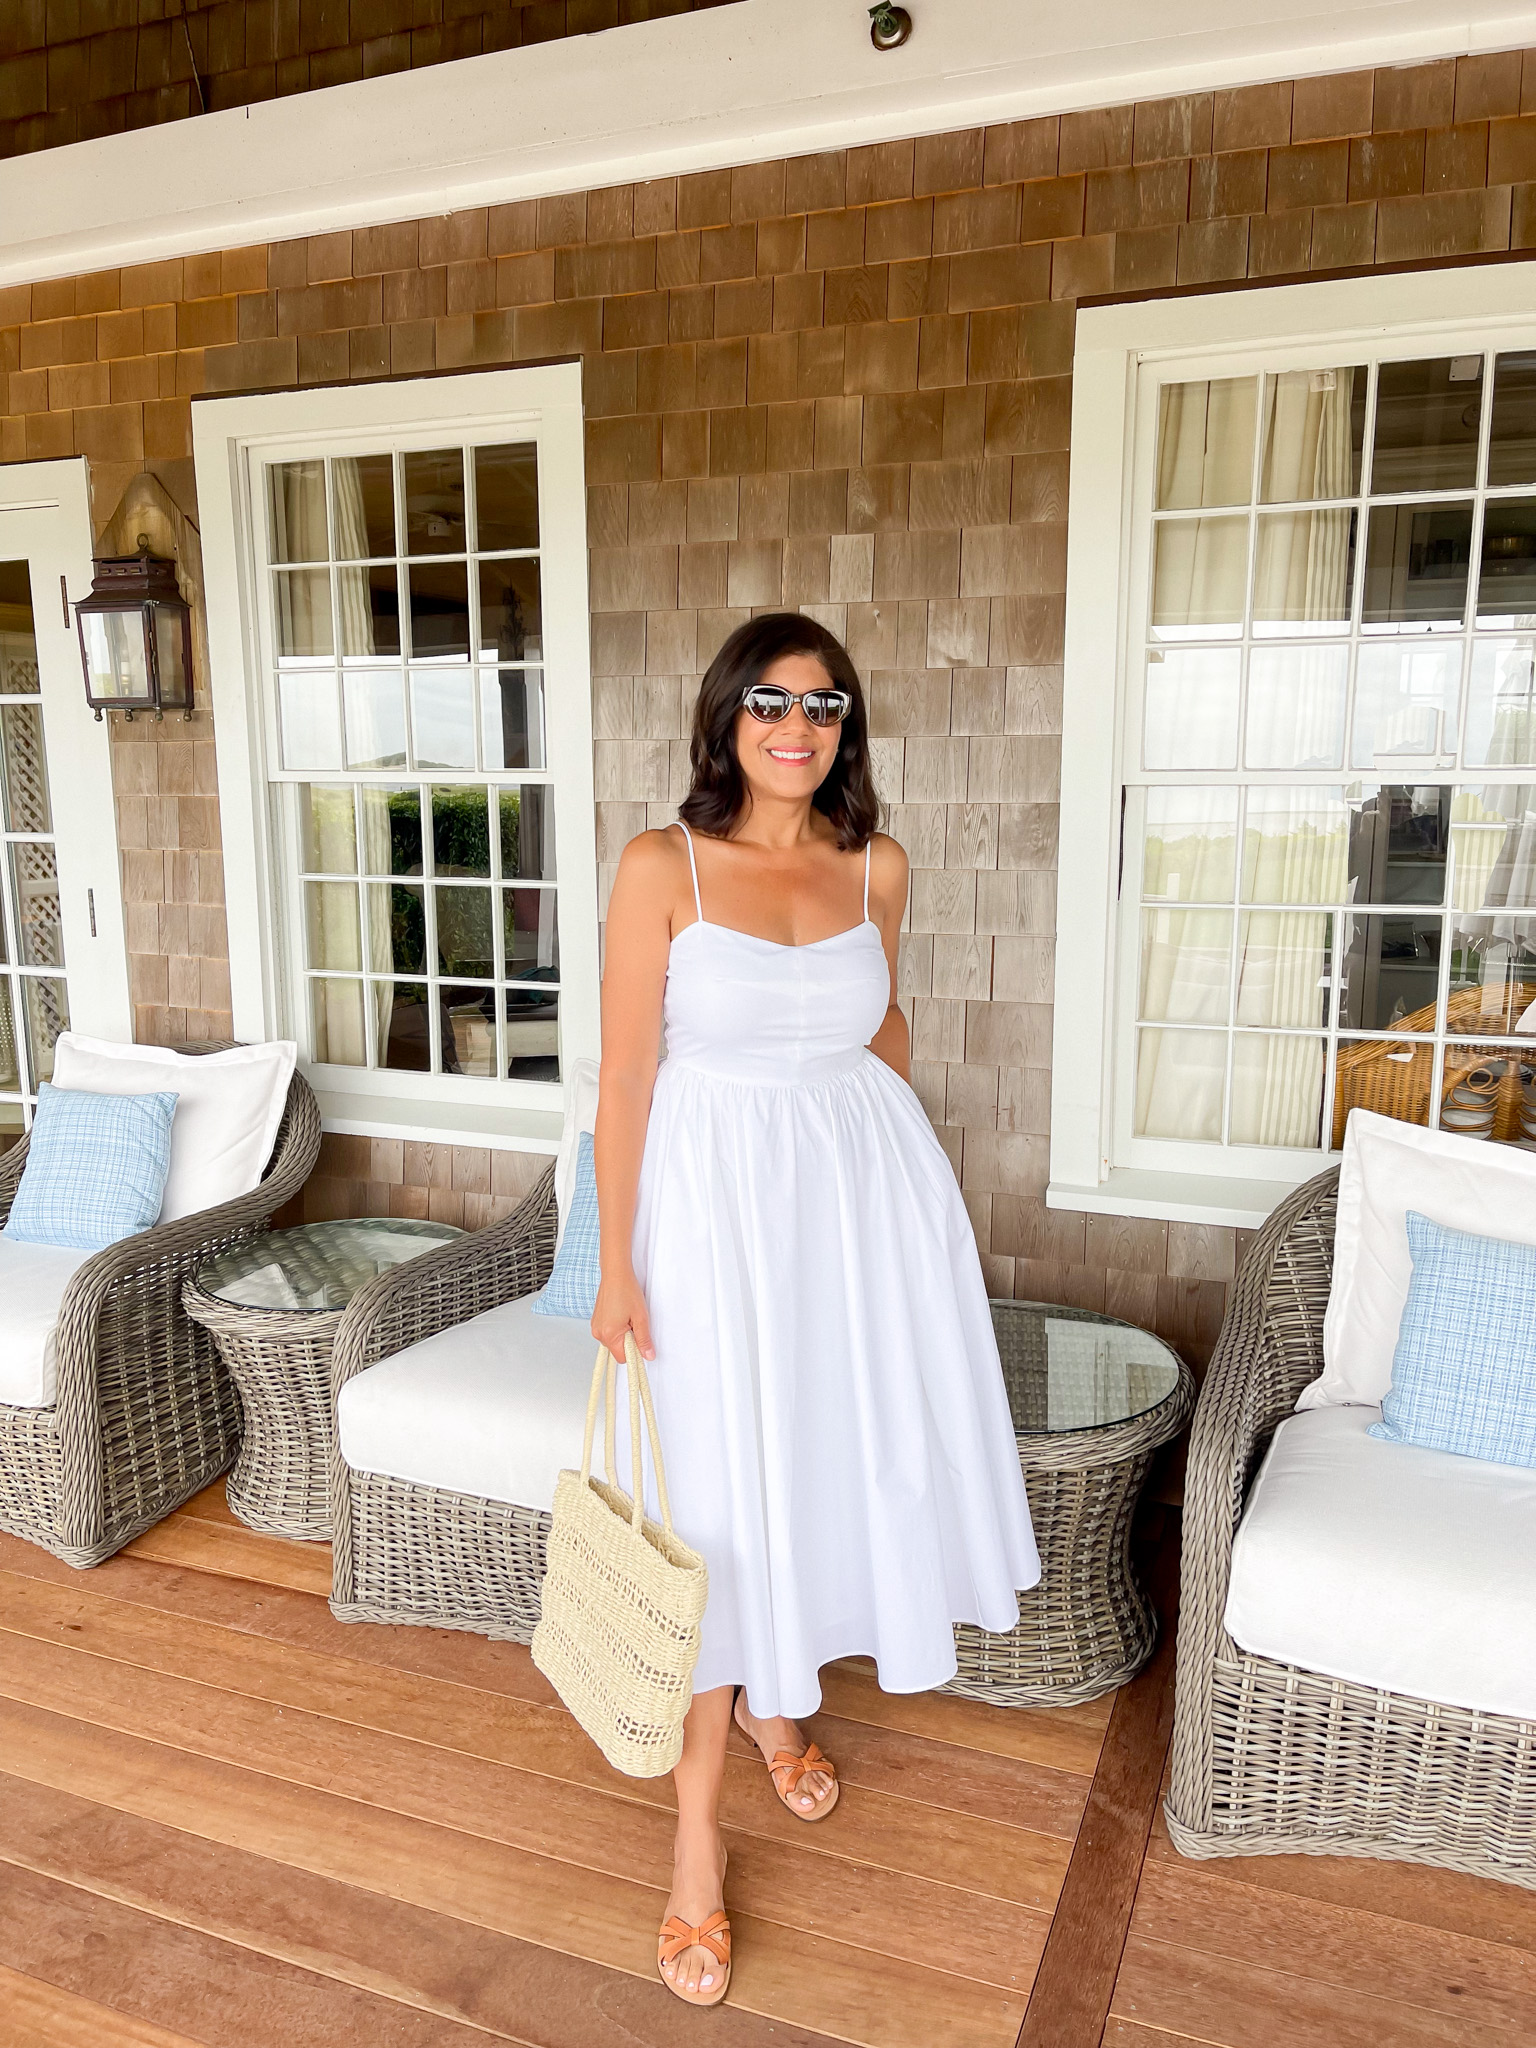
x: 889, y: 26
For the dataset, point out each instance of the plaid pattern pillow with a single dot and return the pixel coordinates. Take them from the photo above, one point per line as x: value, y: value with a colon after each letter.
x: 1464, y: 1372
x: 572, y: 1287
x: 95, y: 1168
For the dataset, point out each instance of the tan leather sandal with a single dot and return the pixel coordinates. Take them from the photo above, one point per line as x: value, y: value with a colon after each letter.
x: 786, y: 1770
x: 676, y: 1937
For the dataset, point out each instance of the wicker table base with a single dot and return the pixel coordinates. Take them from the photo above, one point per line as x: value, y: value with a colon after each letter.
x: 280, y: 1363
x: 1087, y: 1627
x: 274, y: 1312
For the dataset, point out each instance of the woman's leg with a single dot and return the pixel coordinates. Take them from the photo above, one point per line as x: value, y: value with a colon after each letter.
x: 698, y: 1867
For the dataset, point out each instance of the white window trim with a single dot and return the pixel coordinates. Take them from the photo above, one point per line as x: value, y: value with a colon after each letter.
x: 45, y: 519
x: 226, y: 434
x: 1228, y: 333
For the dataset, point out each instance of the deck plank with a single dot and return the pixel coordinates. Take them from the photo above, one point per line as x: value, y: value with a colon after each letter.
x: 540, y: 1738
x: 235, y: 1552
x: 1235, y: 2004
x: 215, y: 1993
x: 598, y: 1828
x: 383, y: 1946
x: 1188, y: 1906
x: 1073, y: 1986
x: 1448, y: 1900
x: 807, y: 1980
x: 192, y: 1580
x: 1119, y: 2033
x: 1065, y: 1738
x: 38, y: 2015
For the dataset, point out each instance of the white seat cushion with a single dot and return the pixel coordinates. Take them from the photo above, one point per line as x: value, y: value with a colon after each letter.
x: 494, y: 1407
x: 1390, y: 1566
x: 32, y: 1282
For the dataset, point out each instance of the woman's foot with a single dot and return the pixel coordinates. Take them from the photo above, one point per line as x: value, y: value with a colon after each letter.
x: 696, y: 1972
x: 808, y: 1791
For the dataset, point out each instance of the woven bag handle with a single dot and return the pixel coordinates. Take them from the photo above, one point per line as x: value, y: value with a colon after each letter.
x: 605, y: 1383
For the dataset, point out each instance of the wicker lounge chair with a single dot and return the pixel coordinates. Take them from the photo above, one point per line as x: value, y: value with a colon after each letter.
x: 145, y: 1414
x: 1272, y: 1760
x: 422, y: 1554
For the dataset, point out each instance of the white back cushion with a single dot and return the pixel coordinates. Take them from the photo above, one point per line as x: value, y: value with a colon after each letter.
x: 580, y: 1115
x: 494, y: 1407
x: 1389, y: 1168
x: 1389, y: 1565
x: 229, y: 1105
x: 32, y: 1282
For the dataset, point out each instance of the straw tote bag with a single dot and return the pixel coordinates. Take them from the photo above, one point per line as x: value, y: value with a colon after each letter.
x: 623, y: 1597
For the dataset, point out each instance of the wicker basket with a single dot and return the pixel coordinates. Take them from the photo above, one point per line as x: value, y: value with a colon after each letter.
x: 1368, y: 1077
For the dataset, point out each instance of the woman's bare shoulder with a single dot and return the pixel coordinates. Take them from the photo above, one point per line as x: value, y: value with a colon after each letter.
x: 887, y: 860
x: 655, y: 862
x: 887, y: 875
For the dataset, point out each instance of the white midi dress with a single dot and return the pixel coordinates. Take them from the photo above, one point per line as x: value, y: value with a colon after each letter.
x: 830, y: 1403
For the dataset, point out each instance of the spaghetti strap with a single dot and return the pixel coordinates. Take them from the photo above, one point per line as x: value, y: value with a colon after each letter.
x: 869, y: 846
x: 698, y: 903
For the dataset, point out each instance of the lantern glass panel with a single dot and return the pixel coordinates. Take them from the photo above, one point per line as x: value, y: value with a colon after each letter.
x: 116, y: 656
x: 171, y: 656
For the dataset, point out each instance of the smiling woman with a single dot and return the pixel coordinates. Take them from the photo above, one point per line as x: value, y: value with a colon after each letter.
x: 810, y: 668
x: 782, y: 1233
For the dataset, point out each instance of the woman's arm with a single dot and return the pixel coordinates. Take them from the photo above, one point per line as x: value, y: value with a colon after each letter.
x: 634, y: 979
x: 887, y: 906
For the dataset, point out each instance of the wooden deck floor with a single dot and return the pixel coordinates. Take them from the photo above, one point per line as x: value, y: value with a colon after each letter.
x: 226, y: 1820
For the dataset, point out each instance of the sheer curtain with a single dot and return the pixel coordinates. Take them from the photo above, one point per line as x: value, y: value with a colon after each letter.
x: 1297, y: 852
x: 335, y: 943
x: 357, y: 639
x: 1191, y: 841
x: 1204, y: 457
x: 1293, y: 854
x: 1495, y: 892
x: 356, y: 620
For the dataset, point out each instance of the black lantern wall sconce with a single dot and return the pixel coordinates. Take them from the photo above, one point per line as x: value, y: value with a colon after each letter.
x: 136, y: 637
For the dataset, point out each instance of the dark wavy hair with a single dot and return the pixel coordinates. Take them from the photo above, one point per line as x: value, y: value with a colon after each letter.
x: 718, y: 796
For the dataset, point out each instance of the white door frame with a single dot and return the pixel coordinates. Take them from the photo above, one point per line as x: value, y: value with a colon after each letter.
x: 45, y: 520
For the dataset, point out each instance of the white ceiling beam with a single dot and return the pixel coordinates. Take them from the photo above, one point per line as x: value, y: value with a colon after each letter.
x: 736, y: 84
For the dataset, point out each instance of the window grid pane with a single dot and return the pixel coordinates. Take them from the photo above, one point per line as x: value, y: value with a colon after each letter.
x: 409, y: 689
x: 1382, y: 625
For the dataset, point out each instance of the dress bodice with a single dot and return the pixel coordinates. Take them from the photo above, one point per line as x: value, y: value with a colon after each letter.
x: 749, y: 1009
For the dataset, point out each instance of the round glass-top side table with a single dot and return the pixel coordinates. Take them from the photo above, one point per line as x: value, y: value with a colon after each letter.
x: 273, y: 1305
x: 1091, y: 1398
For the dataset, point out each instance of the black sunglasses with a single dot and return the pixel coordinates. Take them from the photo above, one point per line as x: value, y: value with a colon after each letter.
x: 767, y: 703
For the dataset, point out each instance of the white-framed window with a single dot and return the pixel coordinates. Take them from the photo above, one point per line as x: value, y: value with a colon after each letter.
x: 398, y: 623
x: 63, y: 958
x: 1298, y: 868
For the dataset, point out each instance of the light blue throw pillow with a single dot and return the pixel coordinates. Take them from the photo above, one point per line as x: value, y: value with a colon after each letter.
x: 1464, y: 1372
x: 95, y: 1170
x: 572, y: 1286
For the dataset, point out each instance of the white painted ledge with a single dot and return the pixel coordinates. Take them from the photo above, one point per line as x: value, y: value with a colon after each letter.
x: 439, y: 1123
x: 1177, y: 1197
x: 739, y: 84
